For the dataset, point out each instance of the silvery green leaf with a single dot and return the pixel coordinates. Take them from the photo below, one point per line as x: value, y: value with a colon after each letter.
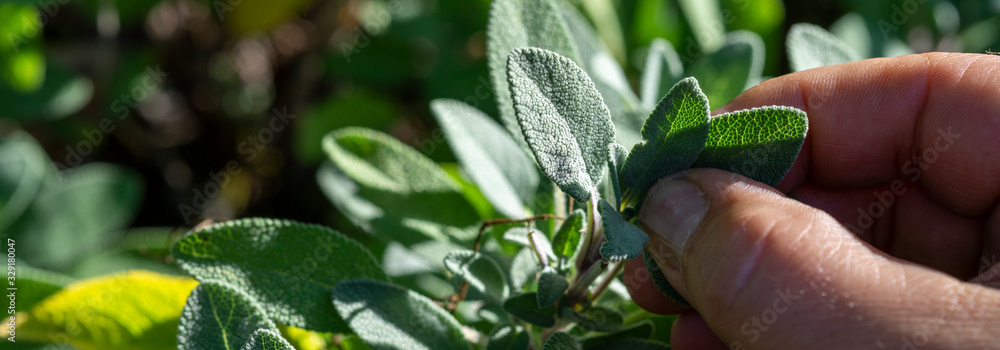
x: 494, y: 161
x: 219, y: 315
x: 663, y: 69
x: 561, y: 341
x: 706, y: 21
x: 397, y: 193
x: 810, y: 46
x: 530, y: 238
x: 389, y: 317
x: 617, y: 155
x: 734, y: 67
x: 760, y: 143
x: 525, y: 307
x: 564, y: 120
x: 624, y: 240
x: 523, y: 268
x: 265, y: 339
x: 23, y: 170
x: 551, y: 286
x: 288, y: 267
x: 852, y: 30
x: 483, y: 274
x: 673, y: 137
x: 521, y: 23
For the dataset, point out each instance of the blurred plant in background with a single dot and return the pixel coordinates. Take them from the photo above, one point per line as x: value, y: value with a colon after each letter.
x: 126, y: 122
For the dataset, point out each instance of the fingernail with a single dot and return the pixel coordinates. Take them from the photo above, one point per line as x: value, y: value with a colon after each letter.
x: 671, y: 211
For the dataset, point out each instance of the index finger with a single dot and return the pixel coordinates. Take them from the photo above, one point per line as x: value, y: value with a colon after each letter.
x: 878, y: 120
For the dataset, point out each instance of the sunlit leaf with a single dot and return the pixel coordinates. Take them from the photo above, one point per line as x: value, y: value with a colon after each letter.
x: 220, y: 316
x: 810, y: 46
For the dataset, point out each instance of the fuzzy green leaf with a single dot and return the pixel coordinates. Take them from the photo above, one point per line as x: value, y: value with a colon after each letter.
x: 760, y: 143
x: 265, y: 339
x: 23, y: 170
x: 393, y: 191
x: 34, y: 285
x: 525, y: 307
x: 521, y: 23
x: 563, y: 119
x: 494, y: 161
x: 288, y: 267
x: 561, y: 341
x: 389, y: 317
x: 220, y: 316
x: 624, y: 240
x: 810, y: 46
x: 523, y: 268
x: 660, y: 281
x: 508, y: 337
x: 734, y: 67
x: 483, y: 274
x: 567, y: 239
x: 530, y: 238
x: 673, y: 136
x: 551, y: 286
x: 617, y: 155
x: 663, y: 69
x: 641, y: 330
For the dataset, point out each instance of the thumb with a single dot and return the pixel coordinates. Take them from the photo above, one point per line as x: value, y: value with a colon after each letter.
x: 765, y: 271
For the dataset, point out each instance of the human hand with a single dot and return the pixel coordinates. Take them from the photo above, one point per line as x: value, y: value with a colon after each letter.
x: 901, y: 151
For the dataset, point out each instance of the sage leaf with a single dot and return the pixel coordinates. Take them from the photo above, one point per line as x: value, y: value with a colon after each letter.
x: 759, y: 143
x: 397, y: 193
x: 288, y: 267
x: 597, y: 318
x: 265, y: 339
x: 706, y: 20
x: 389, y: 317
x: 23, y: 170
x: 632, y: 344
x: 660, y: 281
x: 561, y: 341
x: 567, y: 239
x: 523, y: 268
x: 483, y: 274
x: 673, y: 137
x: 531, y: 238
x: 495, y: 162
x: 520, y: 23
x: 617, y: 155
x: 551, y: 286
x: 663, y: 69
x: 508, y: 337
x: 220, y: 316
x: 525, y: 307
x: 640, y: 330
x: 34, y: 285
x: 563, y: 118
x: 852, y: 30
x: 624, y: 240
x: 734, y: 67
x: 810, y: 46
x: 130, y: 310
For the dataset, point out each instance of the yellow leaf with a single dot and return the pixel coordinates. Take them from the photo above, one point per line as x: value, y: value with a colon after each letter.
x: 303, y: 339
x: 130, y: 310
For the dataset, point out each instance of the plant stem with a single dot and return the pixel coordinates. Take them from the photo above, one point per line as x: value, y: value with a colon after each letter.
x: 607, y: 281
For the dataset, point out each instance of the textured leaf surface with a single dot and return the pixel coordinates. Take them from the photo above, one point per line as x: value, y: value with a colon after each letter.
x: 624, y: 240
x: 525, y: 307
x: 617, y: 156
x: 389, y: 317
x: 660, y: 281
x: 734, y: 67
x: 810, y: 46
x: 288, y: 267
x: 508, y: 337
x: 494, y: 161
x: 760, y: 143
x: 133, y: 310
x: 567, y: 239
x: 663, y: 69
x: 483, y: 274
x: 561, y: 341
x: 673, y: 136
x: 392, y: 190
x: 551, y: 286
x: 264, y: 339
x: 89, y: 203
x: 219, y: 316
x: 563, y: 119
x: 599, y: 319
x: 521, y: 23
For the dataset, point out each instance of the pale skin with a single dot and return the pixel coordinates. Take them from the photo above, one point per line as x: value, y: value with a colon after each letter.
x: 765, y: 271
